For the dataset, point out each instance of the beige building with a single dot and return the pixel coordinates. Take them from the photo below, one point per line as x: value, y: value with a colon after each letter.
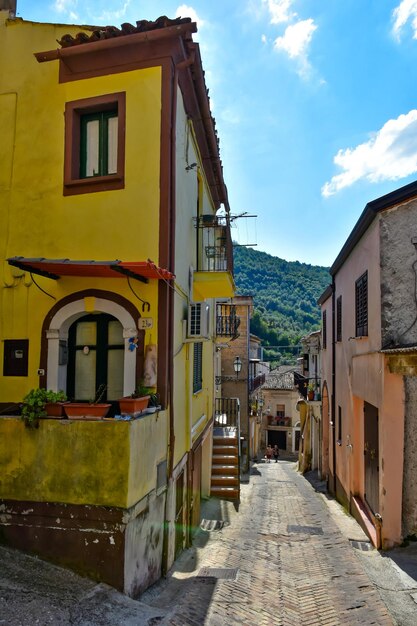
x: 281, y: 419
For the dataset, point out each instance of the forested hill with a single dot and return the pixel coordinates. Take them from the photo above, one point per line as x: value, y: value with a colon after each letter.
x: 285, y: 297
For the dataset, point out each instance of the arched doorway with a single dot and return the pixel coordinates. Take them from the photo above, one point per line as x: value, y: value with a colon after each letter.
x: 325, y: 433
x: 114, y: 332
x: 95, y: 358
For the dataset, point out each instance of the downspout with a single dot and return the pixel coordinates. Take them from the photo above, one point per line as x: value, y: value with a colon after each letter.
x: 333, y: 402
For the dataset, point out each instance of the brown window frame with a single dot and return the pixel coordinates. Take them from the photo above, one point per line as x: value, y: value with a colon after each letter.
x: 74, y: 111
x: 324, y: 328
x: 339, y: 319
x: 361, y: 306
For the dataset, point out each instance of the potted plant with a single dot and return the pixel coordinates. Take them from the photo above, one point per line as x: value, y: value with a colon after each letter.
x: 55, y: 401
x: 310, y: 391
x: 33, y: 407
x: 136, y: 402
x: 95, y: 409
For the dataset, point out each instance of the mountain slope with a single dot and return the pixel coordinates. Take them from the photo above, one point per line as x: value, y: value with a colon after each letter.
x: 285, y: 297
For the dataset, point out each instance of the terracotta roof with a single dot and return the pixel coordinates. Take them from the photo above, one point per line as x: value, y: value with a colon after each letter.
x: 109, y: 32
x: 280, y: 378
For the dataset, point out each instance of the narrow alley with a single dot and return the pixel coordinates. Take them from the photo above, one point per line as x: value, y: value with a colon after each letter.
x: 288, y: 555
x: 284, y: 559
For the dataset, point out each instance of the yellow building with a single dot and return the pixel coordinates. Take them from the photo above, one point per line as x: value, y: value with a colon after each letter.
x: 112, y: 254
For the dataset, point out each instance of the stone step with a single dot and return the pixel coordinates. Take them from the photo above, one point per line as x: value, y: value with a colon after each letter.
x: 225, y: 459
x: 228, y: 441
x: 225, y: 493
x: 225, y: 450
x: 223, y: 479
x: 230, y: 470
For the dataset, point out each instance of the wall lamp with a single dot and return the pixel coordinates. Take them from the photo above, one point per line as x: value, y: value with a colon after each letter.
x: 237, y: 365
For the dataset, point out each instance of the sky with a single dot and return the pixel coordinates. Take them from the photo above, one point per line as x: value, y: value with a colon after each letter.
x: 315, y: 103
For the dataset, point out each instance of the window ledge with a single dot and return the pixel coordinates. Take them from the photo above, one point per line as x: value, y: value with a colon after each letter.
x: 93, y: 183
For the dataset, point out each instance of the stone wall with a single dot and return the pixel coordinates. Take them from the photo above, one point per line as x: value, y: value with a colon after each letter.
x: 398, y: 259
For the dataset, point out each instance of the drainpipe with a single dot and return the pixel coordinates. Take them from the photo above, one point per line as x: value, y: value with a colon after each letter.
x: 333, y: 402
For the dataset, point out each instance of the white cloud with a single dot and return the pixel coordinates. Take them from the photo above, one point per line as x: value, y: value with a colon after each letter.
x: 264, y: 39
x: 187, y: 11
x: 390, y: 154
x: 406, y: 10
x: 279, y: 10
x: 296, y: 38
x: 65, y: 6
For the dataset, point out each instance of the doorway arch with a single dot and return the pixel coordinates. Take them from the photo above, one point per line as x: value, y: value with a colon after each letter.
x: 69, y: 310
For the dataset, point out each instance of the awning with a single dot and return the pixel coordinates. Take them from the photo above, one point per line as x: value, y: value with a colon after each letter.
x: 55, y: 268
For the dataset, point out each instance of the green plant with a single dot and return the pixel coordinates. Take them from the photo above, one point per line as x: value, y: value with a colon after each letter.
x: 56, y: 396
x: 141, y: 390
x: 33, y: 407
x: 154, y: 399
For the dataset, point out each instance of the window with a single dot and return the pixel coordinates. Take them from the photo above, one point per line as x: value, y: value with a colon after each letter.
x: 98, y: 144
x: 280, y: 410
x: 94, y: 144
x: 324, y: 328
x: 339, y: 319
x: 361, y: 301
x: 198, y: 367
x: 16, y: 357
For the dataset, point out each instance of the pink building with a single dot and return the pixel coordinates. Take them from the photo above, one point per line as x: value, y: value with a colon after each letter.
x: 369, y: 369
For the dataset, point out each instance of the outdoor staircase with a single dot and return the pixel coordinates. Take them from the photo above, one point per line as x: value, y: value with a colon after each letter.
x: 225, y: 480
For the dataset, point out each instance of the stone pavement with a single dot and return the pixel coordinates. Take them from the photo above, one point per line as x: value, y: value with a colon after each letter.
x: 285, y: 557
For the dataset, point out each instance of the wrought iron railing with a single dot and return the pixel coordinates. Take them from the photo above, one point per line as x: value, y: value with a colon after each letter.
x: 256, y: 382
x: 227, y: 322
x: 227, y: 412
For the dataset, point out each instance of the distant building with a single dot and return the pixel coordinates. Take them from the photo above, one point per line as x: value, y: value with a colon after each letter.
x: 281, y: 420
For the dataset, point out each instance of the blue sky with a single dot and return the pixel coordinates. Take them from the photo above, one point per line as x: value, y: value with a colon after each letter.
x: 315, y: 104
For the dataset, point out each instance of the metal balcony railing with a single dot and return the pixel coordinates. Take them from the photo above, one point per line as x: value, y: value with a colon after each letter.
x: 256, y: 382
x: 227, y: 322
x: 227, y: 412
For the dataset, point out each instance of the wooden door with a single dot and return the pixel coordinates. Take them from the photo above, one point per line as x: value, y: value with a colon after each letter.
x: 371, y: 454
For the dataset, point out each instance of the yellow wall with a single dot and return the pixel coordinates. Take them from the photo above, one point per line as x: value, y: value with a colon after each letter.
x: 37, y: 220
x: 99, y: 463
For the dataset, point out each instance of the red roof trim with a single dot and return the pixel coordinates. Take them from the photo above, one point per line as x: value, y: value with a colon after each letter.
x: 55, y: 268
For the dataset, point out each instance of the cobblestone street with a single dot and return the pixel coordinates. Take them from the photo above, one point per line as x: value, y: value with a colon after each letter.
x: 284, y: 559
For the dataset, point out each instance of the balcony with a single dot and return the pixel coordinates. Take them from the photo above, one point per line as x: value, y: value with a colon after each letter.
x: 213, y: 278
x: 227, y: 322
x: 256, y: 382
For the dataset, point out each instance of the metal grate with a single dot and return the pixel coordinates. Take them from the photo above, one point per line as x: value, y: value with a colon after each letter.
x: 306, y: 530
x: 364, y: 546
x: 211, y: 524
x: 224, y: 573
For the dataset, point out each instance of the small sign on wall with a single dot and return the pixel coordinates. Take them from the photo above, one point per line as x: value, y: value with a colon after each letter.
x: 145, y: 323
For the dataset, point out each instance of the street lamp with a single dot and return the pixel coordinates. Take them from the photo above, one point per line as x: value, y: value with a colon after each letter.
x: 237, y: 365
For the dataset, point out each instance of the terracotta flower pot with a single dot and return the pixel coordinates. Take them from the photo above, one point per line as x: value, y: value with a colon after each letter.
x: 132, y: 406
x: 80, y: 410
x: 55, y: 409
